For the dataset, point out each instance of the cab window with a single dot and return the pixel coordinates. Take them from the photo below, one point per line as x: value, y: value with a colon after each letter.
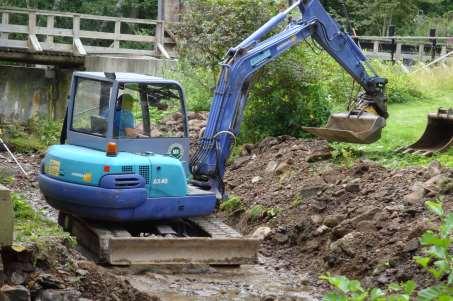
x: 149, y: 111
x: 91, y: 107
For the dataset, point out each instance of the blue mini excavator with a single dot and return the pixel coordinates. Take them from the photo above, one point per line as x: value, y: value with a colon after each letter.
x: 124, y: 152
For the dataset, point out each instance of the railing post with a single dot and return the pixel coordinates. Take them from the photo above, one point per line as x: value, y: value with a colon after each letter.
x: 116, y: 42
x: 50, y: 26
x: 33, y: 43
x: 76, y: 26
x: 77, y: 43
x: 32, y: 23
x: 159, y: 36
x: 5, y: 21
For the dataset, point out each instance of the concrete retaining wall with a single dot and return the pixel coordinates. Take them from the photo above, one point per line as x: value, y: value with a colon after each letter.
x: 26, y: 91
x: 6, y: 217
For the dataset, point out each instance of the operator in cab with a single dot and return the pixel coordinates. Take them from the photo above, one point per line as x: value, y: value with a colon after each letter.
x: 124, y: 121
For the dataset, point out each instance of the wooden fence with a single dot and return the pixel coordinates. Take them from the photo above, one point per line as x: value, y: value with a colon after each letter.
x: 50, y: 31
x: 410, y: 48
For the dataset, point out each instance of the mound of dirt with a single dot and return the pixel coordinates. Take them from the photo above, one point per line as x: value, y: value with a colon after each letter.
x: 52, y: 271
x: 363, y: 221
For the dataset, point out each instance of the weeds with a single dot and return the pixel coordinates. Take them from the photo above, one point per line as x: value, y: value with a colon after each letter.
x: 258, y: 212
x: 32, y: 226
x: 232, y: 205
x: 36, y: 135
x: 297, y: 201
x: 437, y: 260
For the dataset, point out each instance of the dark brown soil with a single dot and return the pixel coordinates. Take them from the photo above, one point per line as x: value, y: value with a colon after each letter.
x: 361, y: 221
x: 51, y: 268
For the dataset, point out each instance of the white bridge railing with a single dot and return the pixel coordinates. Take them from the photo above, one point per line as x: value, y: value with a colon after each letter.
x: 41, y: 31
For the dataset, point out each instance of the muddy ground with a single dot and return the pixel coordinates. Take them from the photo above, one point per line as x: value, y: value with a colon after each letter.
x: 362, y: 221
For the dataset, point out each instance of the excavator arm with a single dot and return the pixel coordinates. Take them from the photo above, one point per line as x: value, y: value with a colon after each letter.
x: 244, y: 60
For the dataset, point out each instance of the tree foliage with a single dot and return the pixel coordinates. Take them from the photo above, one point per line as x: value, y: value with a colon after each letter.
x: 209, y: 27
x: 409, y: 16
x: 121, y: 8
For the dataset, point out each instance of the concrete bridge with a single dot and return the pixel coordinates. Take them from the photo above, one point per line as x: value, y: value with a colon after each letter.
x: 47, y: 46
x: 63, y: 39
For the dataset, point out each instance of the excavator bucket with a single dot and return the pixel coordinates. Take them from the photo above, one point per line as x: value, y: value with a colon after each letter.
x: 351, y: 127
x: 438, y: 135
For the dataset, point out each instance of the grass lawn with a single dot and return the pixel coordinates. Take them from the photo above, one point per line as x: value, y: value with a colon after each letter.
x: 405, y: 125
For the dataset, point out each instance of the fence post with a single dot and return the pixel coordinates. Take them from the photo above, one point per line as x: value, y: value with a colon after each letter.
x: 376, y: 48
x: 421, y: 52
x: 432, y: 34
x: 6, y: 217
x: 50, y: 26
x: 393, y: 42
x: 5, y: 21
x: 443, y: 50
x: 398, y: 52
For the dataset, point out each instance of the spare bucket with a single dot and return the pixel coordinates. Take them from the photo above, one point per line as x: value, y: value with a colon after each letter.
x: 438, y: 135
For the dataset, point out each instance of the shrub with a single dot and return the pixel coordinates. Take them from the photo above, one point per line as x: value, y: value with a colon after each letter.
x: 286, y: 95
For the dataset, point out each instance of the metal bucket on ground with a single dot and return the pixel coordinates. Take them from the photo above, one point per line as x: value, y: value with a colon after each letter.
x: 438, y: 135
x: 351, y: 127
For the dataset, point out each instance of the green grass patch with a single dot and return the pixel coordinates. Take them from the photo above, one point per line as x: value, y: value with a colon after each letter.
x: 405, y: 125
x: 32, y: 226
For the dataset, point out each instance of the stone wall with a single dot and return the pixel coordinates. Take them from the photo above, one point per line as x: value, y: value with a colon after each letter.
x: 25, y: 92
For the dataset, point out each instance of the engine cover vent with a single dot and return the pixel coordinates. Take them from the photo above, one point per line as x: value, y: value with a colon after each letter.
x: 127, y: 169
x: 143, y: 170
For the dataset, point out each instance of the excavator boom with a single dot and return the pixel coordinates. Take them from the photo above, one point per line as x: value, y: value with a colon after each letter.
x: 362, y: 124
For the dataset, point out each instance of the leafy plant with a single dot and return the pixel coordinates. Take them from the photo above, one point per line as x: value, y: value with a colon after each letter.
x: 352, y: 290
x: 258, y: 212
x: 438, y: 261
